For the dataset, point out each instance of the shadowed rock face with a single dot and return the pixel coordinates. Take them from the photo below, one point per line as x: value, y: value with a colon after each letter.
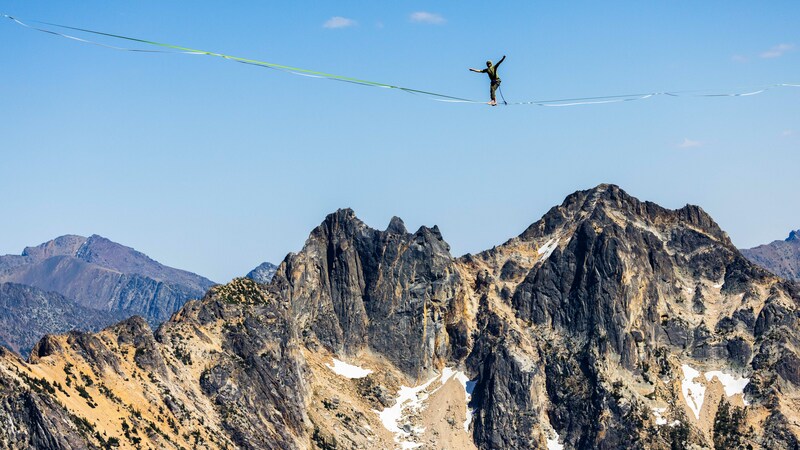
x: 353, y: 288
x: 28, y: 313
x: 632, y: 292
x: 256, y: 380
x: 31, y: 418
x: 581, y: 330
x: 103, y: 275
x: 619, y: 266
x: 779, y: 257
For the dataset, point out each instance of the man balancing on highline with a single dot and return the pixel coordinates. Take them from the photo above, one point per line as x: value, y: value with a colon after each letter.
x: 491, y: 70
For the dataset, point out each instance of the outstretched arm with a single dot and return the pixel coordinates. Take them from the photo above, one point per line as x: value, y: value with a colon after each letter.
x: 478, y: 71
x: 501, y: 61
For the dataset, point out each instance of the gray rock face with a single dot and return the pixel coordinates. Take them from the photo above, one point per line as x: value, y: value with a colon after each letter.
x: 353, y: 287
x: 625, y: 286
x: 779, y: 257
x: 258, y: 384
x: 28, y: 313
x: 67, y: 245
x: 504, y: 376
x: 102, y: 275
x: 581, y: 289
x: 263, y: 273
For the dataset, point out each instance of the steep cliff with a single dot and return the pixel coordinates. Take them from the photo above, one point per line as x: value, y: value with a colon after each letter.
x: 621, y: 323
x: 354, y: 288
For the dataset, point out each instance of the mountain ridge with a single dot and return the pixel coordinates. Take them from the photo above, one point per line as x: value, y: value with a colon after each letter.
x: 610, y: 323
x: 94, y: 282
x: 104, y: 275
x: 781, y: 257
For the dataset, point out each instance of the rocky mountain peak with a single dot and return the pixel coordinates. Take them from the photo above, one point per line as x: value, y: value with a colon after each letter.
x: 86, y: 283
x: 608, y: 203
x: 263, y: 273
x: 355, y: 287
x: 342, y: 216
x: 699, y: 218
x: 107, y: 253
x: 103, y: 252
x: 794, y: 236
x: 345, y: 225
x: 610, y: 323
x: 397, y: 226
x: 67, y: 245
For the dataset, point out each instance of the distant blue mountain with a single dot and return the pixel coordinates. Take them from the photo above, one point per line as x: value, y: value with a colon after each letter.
x: 263, y: 273
x: 98, y: 282
x: 779, y: 257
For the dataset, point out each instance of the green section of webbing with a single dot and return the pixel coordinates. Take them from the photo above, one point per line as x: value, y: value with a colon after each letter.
x: 298, y: 70
x: 431, y: 95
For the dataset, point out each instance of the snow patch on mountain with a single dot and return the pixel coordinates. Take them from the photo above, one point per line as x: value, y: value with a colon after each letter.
x: 552, y: 442
x: 348, y: 370
x: 693, y: 392
x: 547, y: 249
x: 731, y: 383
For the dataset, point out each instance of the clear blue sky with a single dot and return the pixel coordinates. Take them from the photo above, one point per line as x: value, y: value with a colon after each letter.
x: 214, y: 166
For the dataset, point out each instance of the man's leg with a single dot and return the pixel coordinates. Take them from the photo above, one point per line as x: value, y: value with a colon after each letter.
x: 492, y: 90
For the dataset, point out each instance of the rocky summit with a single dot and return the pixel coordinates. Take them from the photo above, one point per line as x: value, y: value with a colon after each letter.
x: 263, y: 273
x: 779, y: 257
x: 610, y: 323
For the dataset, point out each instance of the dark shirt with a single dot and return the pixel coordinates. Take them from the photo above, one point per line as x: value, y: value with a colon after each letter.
x: 492, y: 71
